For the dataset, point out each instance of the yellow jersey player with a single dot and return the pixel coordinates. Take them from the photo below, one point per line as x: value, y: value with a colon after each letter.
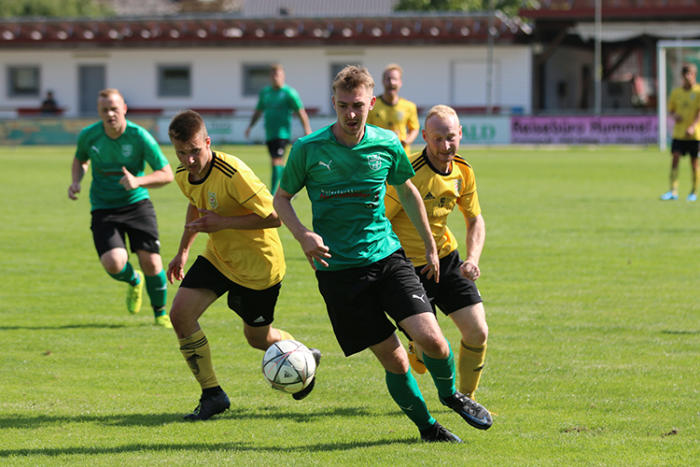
x: 445, y: 180
x: 393, y: 112
x: 684, y: 107
x: 243, y: 256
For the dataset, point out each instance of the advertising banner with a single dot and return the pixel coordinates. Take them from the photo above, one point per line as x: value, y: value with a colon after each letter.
x: 639, y: 129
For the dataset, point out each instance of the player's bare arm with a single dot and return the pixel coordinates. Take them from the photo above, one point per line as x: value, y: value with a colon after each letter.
x: 176, y: 268
x: 476, y: 235
x: 210, y: 221
x: 304, y: 118
x: 253, y: 119
x: 311, y: 243
x: 411, y: 136
x: 415, y: 209
x: 155, y: 179
x: 78, y: 170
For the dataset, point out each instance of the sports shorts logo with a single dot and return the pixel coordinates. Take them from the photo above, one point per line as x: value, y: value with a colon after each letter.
x: 374, y: 161
x: 419, y: 297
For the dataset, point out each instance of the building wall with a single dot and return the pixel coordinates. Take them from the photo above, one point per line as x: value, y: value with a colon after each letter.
x: 432, y: 74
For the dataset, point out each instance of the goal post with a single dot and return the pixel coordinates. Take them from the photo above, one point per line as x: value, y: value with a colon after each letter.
x: 668, y: 76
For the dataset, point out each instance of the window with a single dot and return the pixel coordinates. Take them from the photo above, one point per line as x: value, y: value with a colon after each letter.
x: 174, y: 81
x: 23, y: 81
x: 255, y: 77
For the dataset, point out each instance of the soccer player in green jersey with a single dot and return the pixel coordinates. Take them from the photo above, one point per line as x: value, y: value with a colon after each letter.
x: 362, y: 272
x: 119, y: 151
x: 684, y: 107
x: 445, y: 181
x: 394, y: 112
x: 243, y: 257
x: 277, y: 102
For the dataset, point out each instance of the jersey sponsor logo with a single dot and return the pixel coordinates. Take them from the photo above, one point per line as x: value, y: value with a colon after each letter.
x: 213, y: 202
x: 374, y: 161
x: 345, y: 193
x: 127, y: 150
x: 326, y: 164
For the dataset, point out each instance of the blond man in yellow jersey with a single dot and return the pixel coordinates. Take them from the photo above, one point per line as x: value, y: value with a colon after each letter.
x: 393, y: 112
x: 243, y: 256
x: 445, y: 181
x: 684, y: 108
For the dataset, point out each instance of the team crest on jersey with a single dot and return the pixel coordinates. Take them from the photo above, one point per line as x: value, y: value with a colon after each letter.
x: 458, y: 186
x: 213, y: 202
x: 127, y: 150
x: 374, y: 161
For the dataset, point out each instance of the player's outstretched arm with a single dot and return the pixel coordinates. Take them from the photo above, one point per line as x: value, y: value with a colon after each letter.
x: 476, y: 235
x: 311, y: 243
x: 210, y: 221
x: 155, y: 179
x: 415, y: 209
x: 77, y: 170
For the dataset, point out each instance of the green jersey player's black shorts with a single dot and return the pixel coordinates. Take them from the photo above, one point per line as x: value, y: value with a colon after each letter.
x: 111, y: 227
x: 255, y: 307
x: 358, y: 300
x: 276, y: 147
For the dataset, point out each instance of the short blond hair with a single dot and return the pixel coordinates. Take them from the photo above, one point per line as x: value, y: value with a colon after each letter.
x: 393, y: 66
x: 352, y: 77
x: 441, y: 111
x: 108, y: 92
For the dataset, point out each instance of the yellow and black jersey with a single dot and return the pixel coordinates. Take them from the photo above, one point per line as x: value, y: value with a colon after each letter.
x: 686, y: 103
x: 440, y: 193
x: 251, y: 258
x: 399, y: 118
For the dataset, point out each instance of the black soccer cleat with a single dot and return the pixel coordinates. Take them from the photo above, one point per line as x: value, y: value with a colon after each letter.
x: 307, y: 390
x: 209, y: 406
x: 471, y: 411
x: 438, y: 434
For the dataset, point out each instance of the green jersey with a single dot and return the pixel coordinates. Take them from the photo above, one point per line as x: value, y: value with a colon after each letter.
x: 346, y: 187
x: 133, y: 149
x: 277, y: 106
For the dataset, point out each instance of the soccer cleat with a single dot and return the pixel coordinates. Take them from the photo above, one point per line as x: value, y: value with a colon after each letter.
x: 669, y: 196
x: 438, y: 433
x: 163, y: 321
x: 307, y: 390
x: 472, y: 412
x: 416, y: 363
x: 134, y: 294
x: 209, y: 406
x: 692, y: 197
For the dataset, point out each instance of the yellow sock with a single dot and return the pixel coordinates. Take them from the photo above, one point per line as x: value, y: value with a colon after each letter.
x: 470, y: 365
x: 284, y: 335
x: 674, y: 180
x: 195, y: 349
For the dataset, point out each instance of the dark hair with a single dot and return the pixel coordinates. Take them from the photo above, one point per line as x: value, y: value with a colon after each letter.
x: 185, y: 125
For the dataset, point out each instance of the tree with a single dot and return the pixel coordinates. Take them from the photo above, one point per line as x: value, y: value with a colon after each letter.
x: 52, y: 8
x: 509, y: 7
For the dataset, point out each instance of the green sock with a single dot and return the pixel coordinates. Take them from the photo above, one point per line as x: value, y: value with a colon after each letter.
x: 277, y: 171
x: 443, y: 372
x: 157, y: 289
x: 126, y: 275
x: 405, y: 392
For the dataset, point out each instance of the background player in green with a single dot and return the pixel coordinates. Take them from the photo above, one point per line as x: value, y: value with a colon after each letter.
x: 445, y: 180
x: 243, y: 256
x: 361, y: 270
x: 684, y: 107
x: 119, y: 151
x: 277, y: 102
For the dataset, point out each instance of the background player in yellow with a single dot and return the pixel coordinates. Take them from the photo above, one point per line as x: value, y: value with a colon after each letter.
x: 445, y: 180
x: 684, y: 107
x: 243, y: 256
x: 393, y: 112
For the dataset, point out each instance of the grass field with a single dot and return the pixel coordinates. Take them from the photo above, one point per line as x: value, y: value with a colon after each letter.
x: 590, y: 286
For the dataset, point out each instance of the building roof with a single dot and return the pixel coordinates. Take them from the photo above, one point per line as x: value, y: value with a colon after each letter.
x: 631, y: 10
x: 237, y: 30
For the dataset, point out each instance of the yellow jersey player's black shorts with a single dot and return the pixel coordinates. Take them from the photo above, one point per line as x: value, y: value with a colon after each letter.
x: 110, y: 227
x: 454, y: 291
x: 685, y: 146
x: 255, y: 307
x: 358, y: 300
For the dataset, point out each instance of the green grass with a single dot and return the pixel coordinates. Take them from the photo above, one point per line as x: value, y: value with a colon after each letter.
x: 590, y: 286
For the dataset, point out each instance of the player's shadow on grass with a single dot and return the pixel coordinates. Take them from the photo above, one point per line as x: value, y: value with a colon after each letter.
x: 64, y: 326
x: 21, y: 421
x: 205, y: 447
x: 685, y: 332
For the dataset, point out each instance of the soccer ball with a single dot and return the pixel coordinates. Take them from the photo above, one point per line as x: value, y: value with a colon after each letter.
x: 288, y: 366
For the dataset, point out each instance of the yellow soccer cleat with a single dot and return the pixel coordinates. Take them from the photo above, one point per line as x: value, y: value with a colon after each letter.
x: 134, y: 294
x: 416, y: 363
x: 163, y: 321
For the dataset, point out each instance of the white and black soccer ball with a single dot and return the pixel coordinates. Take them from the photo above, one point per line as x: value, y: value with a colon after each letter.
x: 288, y: 366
